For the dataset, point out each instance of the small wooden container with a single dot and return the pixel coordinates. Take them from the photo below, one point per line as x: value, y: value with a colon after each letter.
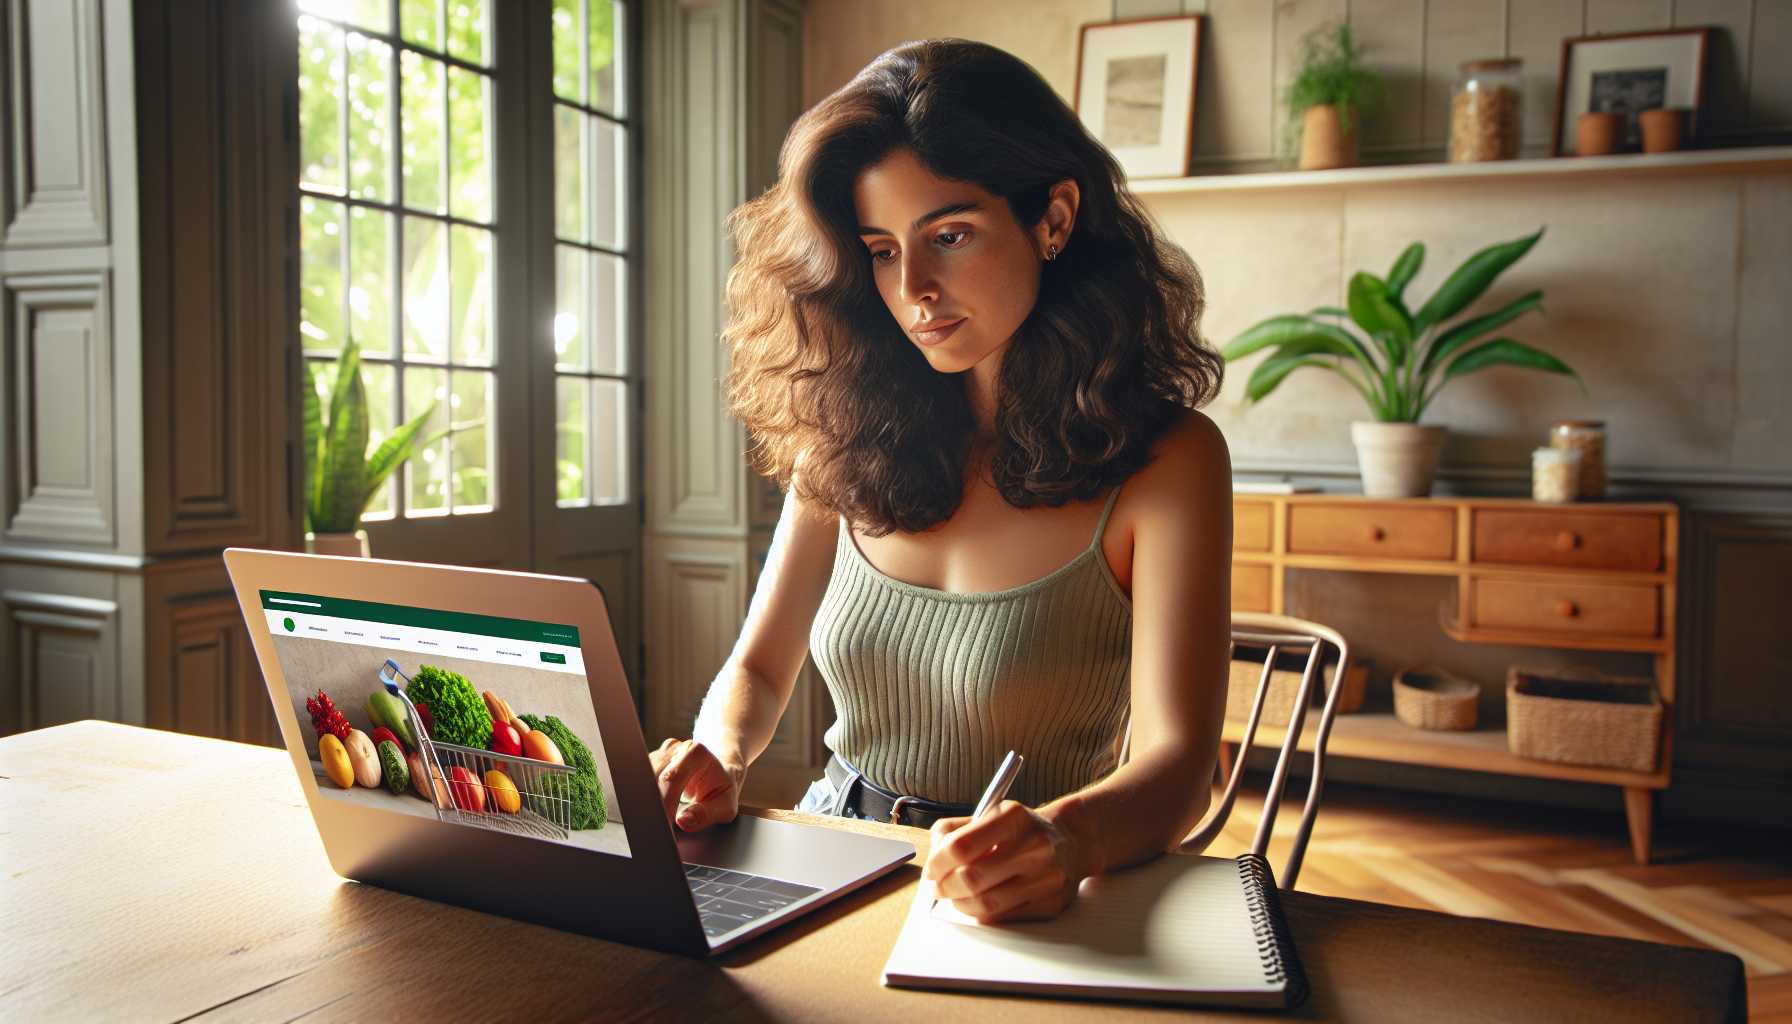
x: 1662, y: 128
x: 1583, y: 717
x: 1431, y: 698
x: 1598, y: 133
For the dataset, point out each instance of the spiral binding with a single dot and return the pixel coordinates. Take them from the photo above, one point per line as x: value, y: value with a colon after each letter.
x: 1274, y: 946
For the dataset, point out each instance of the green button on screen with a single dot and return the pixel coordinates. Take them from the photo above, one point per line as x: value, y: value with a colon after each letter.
x: 553, y: 659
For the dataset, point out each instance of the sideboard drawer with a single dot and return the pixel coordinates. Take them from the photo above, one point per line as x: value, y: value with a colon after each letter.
x: 1251, y: 525
x: 1580, y: 540
x: 1250, y: 587
x: 1372, y: 531
x: 1607, y: 609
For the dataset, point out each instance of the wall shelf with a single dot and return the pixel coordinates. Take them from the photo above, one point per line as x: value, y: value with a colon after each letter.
x: 1704, y: 161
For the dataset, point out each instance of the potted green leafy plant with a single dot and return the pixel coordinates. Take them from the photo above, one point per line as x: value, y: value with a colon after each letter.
x: 1409, y: 358
x: 1327, y: 98
x: 341, y: 478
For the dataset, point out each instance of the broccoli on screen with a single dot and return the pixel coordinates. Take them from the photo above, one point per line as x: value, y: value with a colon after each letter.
x: 587, y: 793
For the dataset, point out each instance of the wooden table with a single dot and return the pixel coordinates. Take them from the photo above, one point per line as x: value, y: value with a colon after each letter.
x: 159, y: 876
x: 1595, y: 576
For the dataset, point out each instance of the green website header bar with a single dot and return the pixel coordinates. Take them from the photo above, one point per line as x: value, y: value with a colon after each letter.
x: 423, y: 618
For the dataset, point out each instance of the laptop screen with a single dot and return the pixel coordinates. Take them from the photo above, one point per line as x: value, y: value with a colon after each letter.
x: 491, y: 725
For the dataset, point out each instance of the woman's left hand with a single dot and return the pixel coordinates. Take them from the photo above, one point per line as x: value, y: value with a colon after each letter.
x: 1012, y: 864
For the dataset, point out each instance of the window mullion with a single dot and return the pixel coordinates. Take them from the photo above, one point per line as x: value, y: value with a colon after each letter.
x: 342, y: 230
x: 585, y: 50
x: 588, y: 336
x: 401, y: 496
x: 588, y: 381
x: 447, y: 399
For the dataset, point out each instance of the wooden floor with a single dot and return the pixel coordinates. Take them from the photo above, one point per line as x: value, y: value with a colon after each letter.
x: 1710, y: 886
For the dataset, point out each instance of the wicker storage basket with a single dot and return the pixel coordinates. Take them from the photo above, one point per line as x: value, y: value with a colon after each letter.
x: 1284, y: 683
x: 1583, y: 717
x: 1430, y: 698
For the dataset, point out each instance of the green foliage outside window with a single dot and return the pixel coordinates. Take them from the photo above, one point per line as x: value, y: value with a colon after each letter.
x: 416, y: 291
x: 356, y: 261
x: 599, y: 20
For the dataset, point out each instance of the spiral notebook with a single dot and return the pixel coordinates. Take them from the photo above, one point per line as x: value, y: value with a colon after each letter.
x: 1179, y: 929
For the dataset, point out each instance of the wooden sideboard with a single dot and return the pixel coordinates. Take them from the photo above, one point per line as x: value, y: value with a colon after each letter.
x: 1596, y: 576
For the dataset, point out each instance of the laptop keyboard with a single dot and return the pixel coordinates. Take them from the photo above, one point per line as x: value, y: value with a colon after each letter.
x: 727, y: 900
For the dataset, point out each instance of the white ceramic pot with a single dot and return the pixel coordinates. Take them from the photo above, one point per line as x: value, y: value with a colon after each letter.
x: 352, y: 545
x: 1398, y: 460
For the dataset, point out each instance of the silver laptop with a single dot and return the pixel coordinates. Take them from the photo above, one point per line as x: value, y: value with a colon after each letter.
x: 402, y: 692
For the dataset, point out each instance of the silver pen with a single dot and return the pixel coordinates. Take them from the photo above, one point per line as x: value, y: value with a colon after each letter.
x: 993, y: 794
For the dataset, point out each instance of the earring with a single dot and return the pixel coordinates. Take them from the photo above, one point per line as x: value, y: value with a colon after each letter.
x: 1051, y: 253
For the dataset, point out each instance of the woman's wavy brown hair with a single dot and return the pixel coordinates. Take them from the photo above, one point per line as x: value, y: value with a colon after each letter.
x: 822, y: 374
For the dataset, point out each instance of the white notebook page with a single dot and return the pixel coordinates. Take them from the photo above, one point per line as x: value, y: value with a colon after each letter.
x: 1178, y: 924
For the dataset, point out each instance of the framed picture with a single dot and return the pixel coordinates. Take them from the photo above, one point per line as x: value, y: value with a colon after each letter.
x: 1135, y: 91
x: 1628, y: 73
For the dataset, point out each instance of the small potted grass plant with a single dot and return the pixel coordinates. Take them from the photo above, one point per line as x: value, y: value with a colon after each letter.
x: 341, y: 478
x: 1409, y: 357
x: 1327, y: 98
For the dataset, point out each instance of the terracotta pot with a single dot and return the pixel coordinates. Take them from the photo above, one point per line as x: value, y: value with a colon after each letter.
x: 1398, y: 460
x: 1598, y: 133
x: 1323, y: 142
x: 348, y: 545
x: 1662, y: 127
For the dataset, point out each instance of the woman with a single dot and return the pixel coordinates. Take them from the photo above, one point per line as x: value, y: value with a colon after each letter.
x: 972, y: 362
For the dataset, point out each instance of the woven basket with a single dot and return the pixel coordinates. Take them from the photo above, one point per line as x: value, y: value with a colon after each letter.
x: 1284, y: 684
x: 1583, y: 717
x: 1431, y: 698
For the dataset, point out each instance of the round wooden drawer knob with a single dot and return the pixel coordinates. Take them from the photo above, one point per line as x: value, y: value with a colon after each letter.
x: 1567, y: 608
x: 1377, y: 534
x: 1567, y: 540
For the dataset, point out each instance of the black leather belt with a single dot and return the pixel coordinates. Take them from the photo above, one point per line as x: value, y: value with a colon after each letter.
x: 857, y: 797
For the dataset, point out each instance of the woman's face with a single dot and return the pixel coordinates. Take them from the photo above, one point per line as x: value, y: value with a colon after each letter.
x: 955, y: 268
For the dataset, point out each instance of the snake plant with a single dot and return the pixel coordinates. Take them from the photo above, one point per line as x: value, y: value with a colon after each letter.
x: 340, y: 477
x: 1411, y: 355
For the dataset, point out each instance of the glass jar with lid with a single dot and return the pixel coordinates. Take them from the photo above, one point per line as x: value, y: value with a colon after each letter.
x: 1484, y: 111
x: 1588, y: 438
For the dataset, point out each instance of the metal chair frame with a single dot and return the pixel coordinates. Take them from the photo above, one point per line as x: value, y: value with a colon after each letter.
x: 1275, y: 634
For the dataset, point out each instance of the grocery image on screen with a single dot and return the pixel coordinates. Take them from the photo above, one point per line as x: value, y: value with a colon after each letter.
x: 475, y: 720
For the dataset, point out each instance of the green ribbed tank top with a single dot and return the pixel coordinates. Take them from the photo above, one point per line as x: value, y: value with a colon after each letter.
x: 932, y: 688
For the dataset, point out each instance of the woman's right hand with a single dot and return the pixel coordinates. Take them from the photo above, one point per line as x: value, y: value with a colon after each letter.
x: 689, y: 771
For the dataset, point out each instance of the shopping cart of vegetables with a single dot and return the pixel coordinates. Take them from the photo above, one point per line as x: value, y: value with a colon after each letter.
x: 503, y: 791
x: 468, y: 754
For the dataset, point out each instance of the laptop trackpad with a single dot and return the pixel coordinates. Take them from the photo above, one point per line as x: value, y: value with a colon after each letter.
x: 822, y: 857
